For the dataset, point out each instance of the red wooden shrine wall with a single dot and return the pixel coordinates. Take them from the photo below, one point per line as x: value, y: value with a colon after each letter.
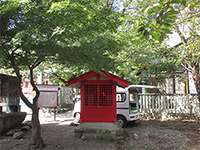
x: 98, y: 101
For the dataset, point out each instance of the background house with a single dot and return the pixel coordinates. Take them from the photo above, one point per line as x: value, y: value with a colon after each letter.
x: 9, y: 95
x: 179, y: 82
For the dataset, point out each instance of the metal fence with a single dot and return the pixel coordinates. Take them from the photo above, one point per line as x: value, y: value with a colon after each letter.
x: 169, y: 103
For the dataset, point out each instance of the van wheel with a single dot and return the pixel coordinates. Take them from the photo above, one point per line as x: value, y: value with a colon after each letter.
x: 77, y: 117
x: 121, y: 122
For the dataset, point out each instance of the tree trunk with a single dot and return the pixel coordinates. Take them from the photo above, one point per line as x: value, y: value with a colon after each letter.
x: 197, y: 84
x: 37, y: 140
x: 3, y: 25
x: 196, y: 78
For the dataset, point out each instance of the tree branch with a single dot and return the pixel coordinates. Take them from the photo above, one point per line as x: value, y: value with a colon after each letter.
x: 3, y: 42
x: 16, y: 49
x: 36, y: 63
x: 184, y: 40
x: 35, y: 99
x: 189, y: 16
x: 17, y: 72
x: 181, y: 43
x: 186, y: 68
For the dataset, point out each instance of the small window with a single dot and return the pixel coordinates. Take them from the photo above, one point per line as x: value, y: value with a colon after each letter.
x: 133, y: 97
x: 120, y: 97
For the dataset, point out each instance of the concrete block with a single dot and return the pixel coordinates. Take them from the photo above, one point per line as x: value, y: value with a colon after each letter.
x: 101, y: 131
x: 11, y: 120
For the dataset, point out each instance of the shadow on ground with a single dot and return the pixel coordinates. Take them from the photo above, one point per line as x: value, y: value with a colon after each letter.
x: 142, y: 135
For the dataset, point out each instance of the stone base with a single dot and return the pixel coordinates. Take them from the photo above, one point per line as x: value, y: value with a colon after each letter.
x: 103, y: 131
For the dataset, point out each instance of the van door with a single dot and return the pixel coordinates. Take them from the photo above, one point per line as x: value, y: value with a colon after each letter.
x: 133, y: 102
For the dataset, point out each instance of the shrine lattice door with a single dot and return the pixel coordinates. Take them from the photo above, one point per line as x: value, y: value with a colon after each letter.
x: 98, y: 103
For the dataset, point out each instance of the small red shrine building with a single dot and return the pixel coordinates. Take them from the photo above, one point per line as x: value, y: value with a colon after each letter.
x: 98, y: 95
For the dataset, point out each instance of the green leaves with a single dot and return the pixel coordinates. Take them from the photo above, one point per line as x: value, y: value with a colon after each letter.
x: 157, y: 19
x: 9, y: 6
x: 58, y: 7
x: 72, y: 33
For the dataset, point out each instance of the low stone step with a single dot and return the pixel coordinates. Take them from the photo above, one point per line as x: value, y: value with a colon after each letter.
x: 101, y: 131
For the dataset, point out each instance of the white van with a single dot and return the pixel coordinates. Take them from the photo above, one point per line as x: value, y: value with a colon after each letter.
x: 127, y: 104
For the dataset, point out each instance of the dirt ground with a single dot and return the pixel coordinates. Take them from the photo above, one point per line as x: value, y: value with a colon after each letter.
x: 166, y: 135
x: 143, y: 135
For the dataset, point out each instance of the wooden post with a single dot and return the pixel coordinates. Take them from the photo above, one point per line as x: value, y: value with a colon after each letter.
x: 141, y: 103
x: 54, y: 115
x: 7, y: 95
x: 0, y: 90
x: 153, y: 102
x: 57, y: 103
x: 0, y: 98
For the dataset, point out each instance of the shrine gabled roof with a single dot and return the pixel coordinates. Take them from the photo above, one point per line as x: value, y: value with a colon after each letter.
x: 91, y: 74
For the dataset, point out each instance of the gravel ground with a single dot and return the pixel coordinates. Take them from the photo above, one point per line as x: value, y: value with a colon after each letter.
x: 143, y: 135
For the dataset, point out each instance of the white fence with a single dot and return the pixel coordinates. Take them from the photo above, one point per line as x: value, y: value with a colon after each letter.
x: 169, y: 103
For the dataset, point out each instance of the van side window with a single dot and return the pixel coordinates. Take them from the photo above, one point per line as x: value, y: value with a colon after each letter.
x: 133, y: 97
x: 120, y: 97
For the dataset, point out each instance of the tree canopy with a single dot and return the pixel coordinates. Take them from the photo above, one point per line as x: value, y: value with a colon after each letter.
x: 147, y: 32
x: 78, y: 32
x: 72, y: 33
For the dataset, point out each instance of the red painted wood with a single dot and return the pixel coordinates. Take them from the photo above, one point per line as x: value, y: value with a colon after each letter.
x: 115, y: 78
x: 103, y: 109
x: 114, y: 104
x: 103, y: 82
x: 87, y: 76
x: 82, y: 93
x: 98, y: 95
x: 80, y: 78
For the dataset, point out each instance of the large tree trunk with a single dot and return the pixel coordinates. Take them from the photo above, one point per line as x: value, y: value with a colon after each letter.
x: 197, y: 84
x: 37, y: 140
x: 3, y: 25
x: 196, y: 78
x: 36, y: 128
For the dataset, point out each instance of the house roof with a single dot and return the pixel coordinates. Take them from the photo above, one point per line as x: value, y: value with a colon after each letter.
x: 7, y: 77
x: 47, y: 88
x: 88, y: 75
